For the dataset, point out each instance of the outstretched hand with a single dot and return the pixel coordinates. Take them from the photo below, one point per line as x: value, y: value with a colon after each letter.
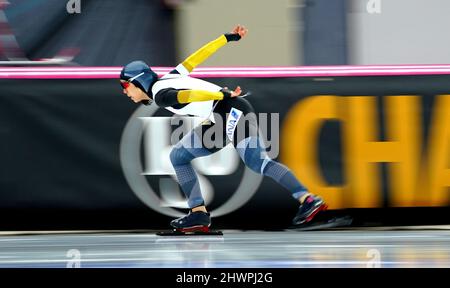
x: 241, y: 30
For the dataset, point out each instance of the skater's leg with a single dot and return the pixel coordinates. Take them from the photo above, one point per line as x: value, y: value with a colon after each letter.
x: 189, y: 148
x: 255, y: 157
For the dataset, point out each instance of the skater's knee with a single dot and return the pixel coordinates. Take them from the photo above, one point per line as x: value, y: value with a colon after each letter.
x: 180, y: 156
x: 256, y: 164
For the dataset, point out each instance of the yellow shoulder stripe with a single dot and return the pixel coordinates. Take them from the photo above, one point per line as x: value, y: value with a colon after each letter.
x: 187, y: 96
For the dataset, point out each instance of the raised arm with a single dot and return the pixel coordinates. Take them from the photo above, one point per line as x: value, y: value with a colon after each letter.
x: 207, y: 50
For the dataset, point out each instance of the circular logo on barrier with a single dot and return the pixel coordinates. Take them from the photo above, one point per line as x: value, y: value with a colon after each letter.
x: 131, y: 162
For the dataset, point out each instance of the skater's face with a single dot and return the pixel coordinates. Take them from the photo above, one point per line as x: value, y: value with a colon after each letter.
x: 133, y: 92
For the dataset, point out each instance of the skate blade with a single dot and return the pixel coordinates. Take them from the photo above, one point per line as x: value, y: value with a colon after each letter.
x: 201, y: 232
x: 335, y: 222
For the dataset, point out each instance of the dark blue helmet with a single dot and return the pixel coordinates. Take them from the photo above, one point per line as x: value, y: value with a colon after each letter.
x: 140, y: 75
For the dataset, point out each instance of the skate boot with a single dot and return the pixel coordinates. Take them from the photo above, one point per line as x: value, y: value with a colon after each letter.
x: 310, y: 207
x: 193, y: 222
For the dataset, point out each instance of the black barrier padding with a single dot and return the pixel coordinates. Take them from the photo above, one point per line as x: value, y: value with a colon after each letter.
x: 60, y: 143
x: 59, y: 151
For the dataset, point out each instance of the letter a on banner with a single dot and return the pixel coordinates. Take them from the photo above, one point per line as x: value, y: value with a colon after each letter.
x: 73, y: 6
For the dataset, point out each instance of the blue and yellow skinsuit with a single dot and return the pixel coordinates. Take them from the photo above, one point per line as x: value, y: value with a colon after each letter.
x: 183, y: 95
